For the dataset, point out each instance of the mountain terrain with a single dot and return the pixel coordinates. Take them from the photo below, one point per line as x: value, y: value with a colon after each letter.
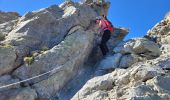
x: 53, y: 54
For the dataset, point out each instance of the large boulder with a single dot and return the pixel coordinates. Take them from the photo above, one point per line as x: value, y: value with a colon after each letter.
x: 139, y: 46
x: 52, y: 25
x: 11, y: 57
x: 25, y: 32
x: 117, y: 36
x: 7, y: 59
x: 144, y: 72
x: 68, y: 57
x: 95, y: 88
x: 128, y: 60
x: 110, y: 62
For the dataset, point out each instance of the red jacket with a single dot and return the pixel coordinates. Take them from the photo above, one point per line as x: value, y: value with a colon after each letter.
x: 105, y: 25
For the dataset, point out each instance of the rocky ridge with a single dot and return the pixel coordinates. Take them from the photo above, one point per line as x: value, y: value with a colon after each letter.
x: 146, y: 77
x: 65, y: 38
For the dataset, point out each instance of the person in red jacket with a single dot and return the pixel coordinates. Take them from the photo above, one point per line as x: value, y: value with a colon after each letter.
x: 106, y: 28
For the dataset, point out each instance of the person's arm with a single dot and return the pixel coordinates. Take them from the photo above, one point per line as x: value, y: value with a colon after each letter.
x: 100, y: 27
x: 100, y: 23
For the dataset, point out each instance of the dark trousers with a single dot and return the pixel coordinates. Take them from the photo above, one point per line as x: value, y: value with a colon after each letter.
x: 105, y: 38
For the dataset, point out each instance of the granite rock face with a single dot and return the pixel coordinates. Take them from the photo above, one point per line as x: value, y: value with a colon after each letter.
x: 68, y: 56
x: 56, y: 40
x: 52, y: 25
x: 8, y: 16
x: 124, y: 84
x: 53, y: 54
x: 145, y: 78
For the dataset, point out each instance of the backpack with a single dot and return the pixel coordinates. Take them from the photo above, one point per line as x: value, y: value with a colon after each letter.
x: 109, y: 25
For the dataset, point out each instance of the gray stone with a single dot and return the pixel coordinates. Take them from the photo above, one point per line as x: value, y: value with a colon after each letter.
x: 7, y: 59
x: 70, y: 54
x: 25, y: 33
x: 122, y: 79
x: 120, y: 32
x: 65, y: 4
x: 160, y: 84
x: 69, y: 33
x: 110, y: 62
x: 18, y: 94
x: 5, y: 28
x: 161, y: 30
x: 116, y: 37
x: 11, y: 57
x: 2, y: 37
x: 100, y: 6
x: 165, y: 48
x: 148, y: 97
x: 144, y: 79
x: 8, y: 16
x: 70, y: 10
x: 128, y: 60
x: 138, y: 73
x: 98, y: 95
x: 146, y: 48
x: 141, y: 90
x: 99, y: 87
x: 145, y: 92
x: 124, y: 47
x: 139, y: 46
x: 51, y: 28
x: 126, y: 84
x: 94, y: 87
x: 165, y: 40
x: 145, y: 72
x: 7, y: 79
x: 165, y: 64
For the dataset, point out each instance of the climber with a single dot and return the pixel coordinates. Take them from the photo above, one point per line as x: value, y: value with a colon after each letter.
x: 106, y: 28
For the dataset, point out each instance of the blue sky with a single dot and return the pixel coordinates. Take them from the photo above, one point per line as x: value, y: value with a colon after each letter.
x: 138, y: 15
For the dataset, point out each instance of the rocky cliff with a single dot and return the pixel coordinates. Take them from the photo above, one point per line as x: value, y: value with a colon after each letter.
x: 145, y: 74
x: 53, y: 54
